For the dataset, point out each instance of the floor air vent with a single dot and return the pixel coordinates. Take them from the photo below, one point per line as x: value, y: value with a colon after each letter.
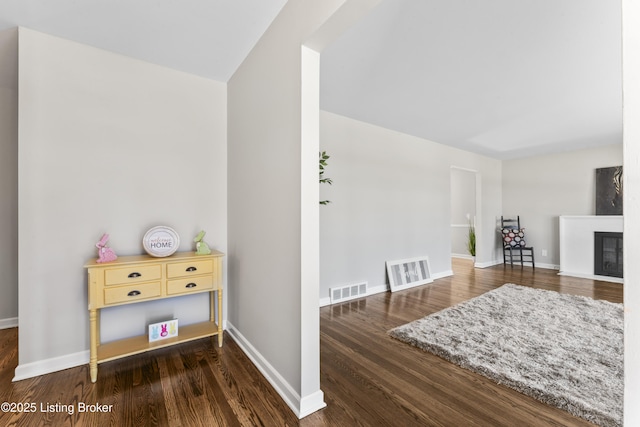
x: 349, y: 292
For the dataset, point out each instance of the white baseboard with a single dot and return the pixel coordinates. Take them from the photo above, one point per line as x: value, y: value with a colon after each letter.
x: 487, y: 264
x: 538, y: 265
x: 300, y: 406
x: 547, y: 266
x: 442, y: 274
x: 527, y: 264
x: 41, y: 367
x: 592, y: 277
x: 11, y: 322
x: 377, y: 289
x: 463, y: 256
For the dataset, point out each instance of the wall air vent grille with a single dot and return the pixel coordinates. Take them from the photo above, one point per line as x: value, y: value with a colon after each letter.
x: 348, y: 292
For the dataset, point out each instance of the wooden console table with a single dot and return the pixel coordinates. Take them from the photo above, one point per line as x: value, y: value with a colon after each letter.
x: 132, y: 279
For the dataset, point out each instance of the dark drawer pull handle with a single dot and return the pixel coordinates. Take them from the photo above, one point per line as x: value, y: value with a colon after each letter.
x: 191, y: 285
x: 134, y: 275
x: 134, y: 293
x: 191, y: 269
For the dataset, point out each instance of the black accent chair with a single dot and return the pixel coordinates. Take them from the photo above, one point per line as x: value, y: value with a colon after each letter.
x: 517, y: 253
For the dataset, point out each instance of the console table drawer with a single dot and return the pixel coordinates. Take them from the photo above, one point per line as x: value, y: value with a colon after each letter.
x: 190, y: 268
x: 189, y: 285
x: 130, y: 293
x: 133, y: 274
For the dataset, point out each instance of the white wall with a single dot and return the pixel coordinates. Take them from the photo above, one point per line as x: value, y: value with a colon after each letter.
x: 266, y: 185
x: 9, y: 178
x: 107, y: 144
x: 541, y: 188
x: 390, y: 199
x: 631, y: 132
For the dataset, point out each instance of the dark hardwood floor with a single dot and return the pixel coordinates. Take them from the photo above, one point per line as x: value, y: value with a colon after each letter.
x: 368, y: 378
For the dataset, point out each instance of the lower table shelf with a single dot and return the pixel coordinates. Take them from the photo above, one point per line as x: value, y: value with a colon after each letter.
x: 140, y: 344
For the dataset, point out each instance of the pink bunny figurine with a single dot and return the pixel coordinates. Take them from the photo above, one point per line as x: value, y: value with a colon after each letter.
x: 105, y: 254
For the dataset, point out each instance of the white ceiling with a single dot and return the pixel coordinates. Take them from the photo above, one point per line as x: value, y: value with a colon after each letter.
x: 504, y: 78
x: 209, y: 38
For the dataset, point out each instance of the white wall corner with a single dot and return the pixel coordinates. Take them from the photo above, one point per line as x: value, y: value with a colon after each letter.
x: 310, y: 234
x: 11, y: 322
x: 47, y: 366
x: 312, y: 403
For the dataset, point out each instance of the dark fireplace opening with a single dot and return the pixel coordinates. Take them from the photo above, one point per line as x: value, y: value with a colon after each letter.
x: 608, y: 254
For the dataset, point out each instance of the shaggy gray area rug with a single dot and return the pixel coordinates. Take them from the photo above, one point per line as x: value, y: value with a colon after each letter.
x: 564, y: 350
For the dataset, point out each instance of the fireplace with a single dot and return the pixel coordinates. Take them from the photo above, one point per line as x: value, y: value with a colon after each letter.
x: 608, y: 254
x: 577, y: 246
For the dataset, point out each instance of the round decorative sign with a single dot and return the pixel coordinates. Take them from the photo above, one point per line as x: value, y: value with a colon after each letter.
x: 161, y: 241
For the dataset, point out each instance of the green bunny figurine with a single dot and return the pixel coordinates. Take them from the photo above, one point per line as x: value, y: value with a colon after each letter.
x: 201, y: 247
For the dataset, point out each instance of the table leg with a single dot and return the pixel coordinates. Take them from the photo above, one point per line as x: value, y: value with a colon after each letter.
x: 219, y: 317
x: 93, y: 358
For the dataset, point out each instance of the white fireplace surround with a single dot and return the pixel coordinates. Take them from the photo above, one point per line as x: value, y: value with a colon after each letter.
x: 577, y: 244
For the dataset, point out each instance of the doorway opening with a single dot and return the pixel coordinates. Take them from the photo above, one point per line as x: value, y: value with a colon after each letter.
x: 464, y: 213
